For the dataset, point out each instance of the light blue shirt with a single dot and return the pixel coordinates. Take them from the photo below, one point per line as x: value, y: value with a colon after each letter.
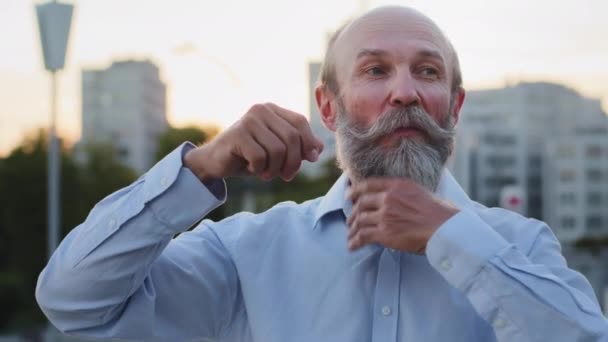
x: 287, y: 275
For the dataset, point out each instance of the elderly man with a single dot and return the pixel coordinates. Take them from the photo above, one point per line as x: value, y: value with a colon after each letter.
x: 395, y: 251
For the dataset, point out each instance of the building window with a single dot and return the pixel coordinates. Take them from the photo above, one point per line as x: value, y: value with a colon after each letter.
x: 567, y: 175
x: 500, y: 161
x: 566, y: 151
x: 535, y: 162
x: 594, y: 222
x: 496, y: 182
x: 568, y: 222
x: 594, y: 175
x: 534, y: 182
x: 594, y: 198
x: 594, y: 151
x: 499, y: 140
x: 567, y: 198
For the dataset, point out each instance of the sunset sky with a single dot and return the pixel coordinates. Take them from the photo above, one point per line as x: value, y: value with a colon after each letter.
x: 219, y: 57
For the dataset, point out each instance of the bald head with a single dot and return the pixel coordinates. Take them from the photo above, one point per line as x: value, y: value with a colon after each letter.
x: 385, y: 21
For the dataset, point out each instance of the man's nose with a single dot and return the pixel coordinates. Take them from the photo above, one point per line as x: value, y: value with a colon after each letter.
x: 403, y: 91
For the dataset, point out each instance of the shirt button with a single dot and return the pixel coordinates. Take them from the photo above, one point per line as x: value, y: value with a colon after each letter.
x: 445, y: 264
x: 499, y: 323
x: 164, y: 181
x: 386, y: 310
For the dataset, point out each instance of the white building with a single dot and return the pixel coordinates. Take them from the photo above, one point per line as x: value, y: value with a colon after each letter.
x: 577, y: 172
x: 504, y: 135
x: 552, y: 143
x: 125, y: 105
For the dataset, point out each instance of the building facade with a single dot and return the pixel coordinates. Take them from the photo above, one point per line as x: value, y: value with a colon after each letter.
x: 505, y: 138
x: 552, y: 143
x: 577, y: 198
x: 125, y: 106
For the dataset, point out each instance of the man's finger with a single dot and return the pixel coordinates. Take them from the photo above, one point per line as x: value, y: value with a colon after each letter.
x: 254, y: 154
x: 292, y: 140
x: 275, y: 150
x: 311, y: 146
x: 363, y: 219
x: 367, y: 186
x: 364, y: 236
x: 368, y: 204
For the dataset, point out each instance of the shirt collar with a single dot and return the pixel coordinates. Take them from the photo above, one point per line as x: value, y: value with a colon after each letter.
x: 335, y: 199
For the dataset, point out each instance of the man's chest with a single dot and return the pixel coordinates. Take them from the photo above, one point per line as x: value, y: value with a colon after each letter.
x: 375, y: 294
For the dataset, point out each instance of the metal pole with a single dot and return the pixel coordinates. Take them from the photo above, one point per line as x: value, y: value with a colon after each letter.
x: 53, y: 174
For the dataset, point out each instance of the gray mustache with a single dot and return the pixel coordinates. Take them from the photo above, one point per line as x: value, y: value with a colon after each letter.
x: 413, y: 117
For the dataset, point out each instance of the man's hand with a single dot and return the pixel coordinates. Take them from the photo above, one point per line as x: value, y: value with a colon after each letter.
x: 268, y: 141
x: 394, y: 212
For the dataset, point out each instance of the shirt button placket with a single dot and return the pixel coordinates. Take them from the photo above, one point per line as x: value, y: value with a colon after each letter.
x: 386, y: 297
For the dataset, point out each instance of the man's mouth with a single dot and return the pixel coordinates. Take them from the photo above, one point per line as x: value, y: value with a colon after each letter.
x: 407, y: 131
x: 404, y: 132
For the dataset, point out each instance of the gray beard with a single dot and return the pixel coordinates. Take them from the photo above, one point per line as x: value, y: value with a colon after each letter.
x: 361, y: 155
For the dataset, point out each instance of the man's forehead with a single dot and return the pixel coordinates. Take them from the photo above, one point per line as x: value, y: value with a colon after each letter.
x: 388, y: 22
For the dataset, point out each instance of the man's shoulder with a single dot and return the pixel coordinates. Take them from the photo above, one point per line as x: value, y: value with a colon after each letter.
x: 514, y: 227
x: 281, y: 218
x: 279, y: 212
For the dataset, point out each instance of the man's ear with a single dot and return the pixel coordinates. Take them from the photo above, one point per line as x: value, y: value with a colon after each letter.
x: 326, y: 102
x: 457, y: 102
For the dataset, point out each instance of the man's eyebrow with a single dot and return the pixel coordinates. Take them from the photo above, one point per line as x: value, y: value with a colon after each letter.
x: 430, y: 54
x: 371, y: 53
x: 426, y: 53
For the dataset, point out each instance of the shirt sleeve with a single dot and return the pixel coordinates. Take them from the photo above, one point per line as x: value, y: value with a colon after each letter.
x: 526, y: 295
x: 119, y: 274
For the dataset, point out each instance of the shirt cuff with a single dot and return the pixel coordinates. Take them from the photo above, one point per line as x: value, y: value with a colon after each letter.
x: 176, y: 196
x: 461, y: 247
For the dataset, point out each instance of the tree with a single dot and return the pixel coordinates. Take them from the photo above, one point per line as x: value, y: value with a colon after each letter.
x: 23, y: 196
x: 173, y: 137
x: 101, y: 173
x: 23, y: 213
x: 267, y: 194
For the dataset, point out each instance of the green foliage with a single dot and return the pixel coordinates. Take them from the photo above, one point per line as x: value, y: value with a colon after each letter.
x: 593, y: 244
x: 267, y: 194
x: 23, y: 193
x: 303, y: 188
x: 23, y: 215
x: 84, y: 182
x: 101, y: 174
x: 174, y: 137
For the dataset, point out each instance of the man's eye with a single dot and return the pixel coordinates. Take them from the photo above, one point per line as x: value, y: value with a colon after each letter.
x: 375, y: 71
x: 429, y: 72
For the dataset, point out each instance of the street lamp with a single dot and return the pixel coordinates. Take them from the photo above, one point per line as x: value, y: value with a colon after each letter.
x: 54, y: 21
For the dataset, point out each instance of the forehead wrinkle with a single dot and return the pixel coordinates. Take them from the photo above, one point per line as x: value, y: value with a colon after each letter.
x: 392, y: 19
x: 371, y: 52
x: 381, y: 53
x: 390, y: 22
x: 339, y: 57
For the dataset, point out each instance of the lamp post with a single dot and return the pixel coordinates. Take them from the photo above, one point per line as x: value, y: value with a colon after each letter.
x: 54, y: 21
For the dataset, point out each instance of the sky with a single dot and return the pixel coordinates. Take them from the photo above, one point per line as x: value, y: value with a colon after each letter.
x: 220, y: 57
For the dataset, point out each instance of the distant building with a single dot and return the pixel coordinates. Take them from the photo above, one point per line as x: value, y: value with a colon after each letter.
x: 552, y: 143
x: 125, y: 105
x: 504, y: 138
x: 577, y: 176
x: 593, y: 265
x: 327, y: 137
